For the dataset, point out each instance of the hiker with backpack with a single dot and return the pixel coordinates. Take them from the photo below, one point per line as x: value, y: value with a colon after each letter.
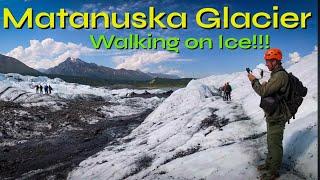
x: 228, y: 90
x: 224, y: 87
x: 280, y: 98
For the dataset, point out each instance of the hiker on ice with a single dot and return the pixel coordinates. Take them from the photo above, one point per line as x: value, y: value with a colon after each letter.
x: 224, y: 92
x: 46, y: 89
x: 228, y: 90
x: 41, y: 88
x: 37, y: 88
x: 50, y: 89
x: 274, y: 101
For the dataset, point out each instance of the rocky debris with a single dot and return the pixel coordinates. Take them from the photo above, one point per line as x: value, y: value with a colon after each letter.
x: 213, y: 120
x: 146, y: 94
x: 142, y: 162
x: 20, y: 123
x: 40, y: 142
x: 184, y: 153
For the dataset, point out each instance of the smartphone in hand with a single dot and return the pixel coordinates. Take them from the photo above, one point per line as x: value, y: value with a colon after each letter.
x: 248, y: 70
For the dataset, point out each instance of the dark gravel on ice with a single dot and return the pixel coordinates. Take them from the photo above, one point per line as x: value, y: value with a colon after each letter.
x: 40, y: 143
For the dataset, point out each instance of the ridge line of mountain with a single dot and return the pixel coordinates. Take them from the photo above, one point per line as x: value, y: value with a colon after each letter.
x: 75, y: 70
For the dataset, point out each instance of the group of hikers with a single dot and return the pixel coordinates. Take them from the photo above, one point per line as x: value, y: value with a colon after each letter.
x: 225, y: 91
x: 47, y: 89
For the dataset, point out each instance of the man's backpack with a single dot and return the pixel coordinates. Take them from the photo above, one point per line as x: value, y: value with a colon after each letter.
x: 228, y: 88
x: 296, y: 93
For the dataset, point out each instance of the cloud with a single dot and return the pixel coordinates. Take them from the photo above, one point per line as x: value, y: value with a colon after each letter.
x: 294, y: 57
x: 119, y: 7
x: 48, y: 53
x: 90, y: 7
x: 166, y: 70
x: 142, y: 59
x: 315, y: 49
x: 69, y: 11
x: 99, y: 7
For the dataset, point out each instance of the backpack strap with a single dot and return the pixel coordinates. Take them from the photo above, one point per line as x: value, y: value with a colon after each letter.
x: 282, y: 97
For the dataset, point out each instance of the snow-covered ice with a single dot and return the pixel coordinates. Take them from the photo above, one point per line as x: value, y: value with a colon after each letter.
x: 26, y: 115
x: 194, y: 134
x: 21, y: 89
x: 61, y: 88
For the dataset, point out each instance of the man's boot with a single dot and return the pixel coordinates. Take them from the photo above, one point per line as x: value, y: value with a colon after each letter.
x: 263, y: 167
x: 270, y: 176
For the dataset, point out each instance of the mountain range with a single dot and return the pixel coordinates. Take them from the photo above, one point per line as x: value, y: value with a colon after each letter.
x: 75, y: 67
x: 12, y: 65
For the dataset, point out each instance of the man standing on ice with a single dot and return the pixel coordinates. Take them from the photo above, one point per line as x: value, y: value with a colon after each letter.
x: 50, y: 89
x: 228, y: 90
x: 276, y: 113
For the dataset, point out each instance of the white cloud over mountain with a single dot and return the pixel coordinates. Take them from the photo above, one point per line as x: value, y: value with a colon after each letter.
x: 167, y: 70
x: 48, y: 52
x: 294, y: 57
x: 142, y: 59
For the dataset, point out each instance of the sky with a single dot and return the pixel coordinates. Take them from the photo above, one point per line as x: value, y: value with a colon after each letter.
x: 45, y: 48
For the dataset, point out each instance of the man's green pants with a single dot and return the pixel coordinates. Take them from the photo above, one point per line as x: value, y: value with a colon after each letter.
x: 275, y: 150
